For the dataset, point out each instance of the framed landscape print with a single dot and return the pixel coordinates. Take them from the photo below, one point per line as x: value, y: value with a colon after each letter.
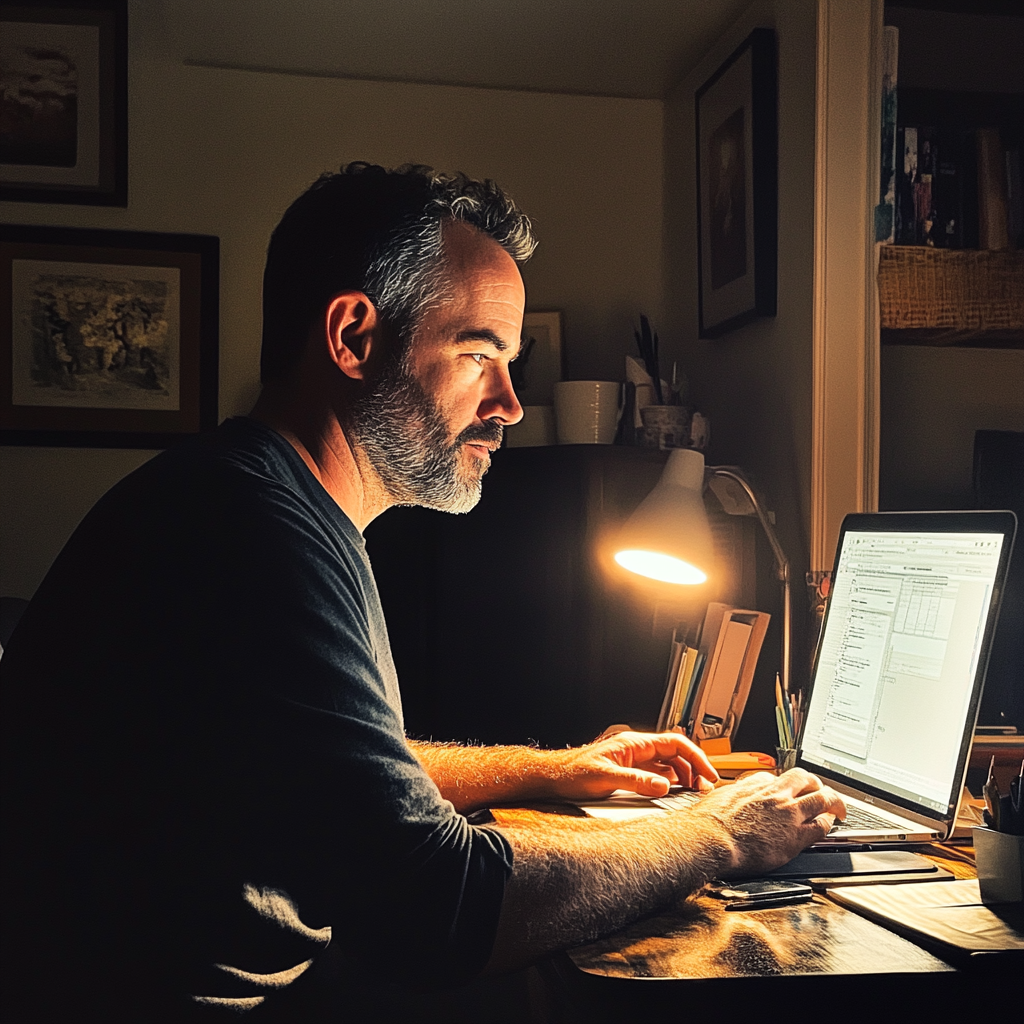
x: 737, y: 188
x: 107, y: 338
x: 64, y: 101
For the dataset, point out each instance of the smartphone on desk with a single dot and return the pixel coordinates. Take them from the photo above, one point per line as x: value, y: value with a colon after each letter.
x: 761, y: 893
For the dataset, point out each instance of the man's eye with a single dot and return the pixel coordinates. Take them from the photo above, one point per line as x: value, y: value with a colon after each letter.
x: 477, y: 357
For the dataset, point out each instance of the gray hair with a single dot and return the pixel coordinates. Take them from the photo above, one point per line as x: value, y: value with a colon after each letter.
x: 380, y: 232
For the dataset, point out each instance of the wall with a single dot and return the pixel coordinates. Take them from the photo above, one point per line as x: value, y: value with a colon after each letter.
x: 223, y: 152
x: 755, y: 383
x: 933, y: 400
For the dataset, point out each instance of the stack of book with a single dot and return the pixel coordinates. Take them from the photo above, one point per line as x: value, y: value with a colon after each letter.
x: 957, y: 189
x: 950, y: 165
x: 709, y: 679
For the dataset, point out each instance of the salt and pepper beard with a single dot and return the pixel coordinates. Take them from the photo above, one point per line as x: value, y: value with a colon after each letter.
x: 405, y: 437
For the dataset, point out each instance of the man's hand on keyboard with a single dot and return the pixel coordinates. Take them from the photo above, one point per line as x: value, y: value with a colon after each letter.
x: 770, y: 819
x: 645, y: 763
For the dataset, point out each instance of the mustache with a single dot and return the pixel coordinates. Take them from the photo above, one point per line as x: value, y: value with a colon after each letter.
x: 489, y: 432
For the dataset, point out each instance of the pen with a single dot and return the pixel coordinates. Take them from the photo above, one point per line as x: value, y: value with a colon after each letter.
x: 991, y: 794
x: 1012, y: 807
x: 785, y: 737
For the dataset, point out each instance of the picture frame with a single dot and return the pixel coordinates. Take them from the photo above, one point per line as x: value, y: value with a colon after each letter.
x: 107, y: 338
x: 737, y: 188
x: 541, y: 362
x: 64, y: 127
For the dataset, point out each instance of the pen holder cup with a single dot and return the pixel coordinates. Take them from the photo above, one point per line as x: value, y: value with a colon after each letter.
x: 1000, y: 859
x: 785, y: 758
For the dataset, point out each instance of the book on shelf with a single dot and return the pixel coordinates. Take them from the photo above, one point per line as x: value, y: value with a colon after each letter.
x: 885, y: 211
x: 993, y: 230
x: 957, y: 188
x: 905, y: 231
x: 708, y: 682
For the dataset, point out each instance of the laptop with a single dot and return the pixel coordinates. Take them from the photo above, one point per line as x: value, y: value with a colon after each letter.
x: 898, y: 675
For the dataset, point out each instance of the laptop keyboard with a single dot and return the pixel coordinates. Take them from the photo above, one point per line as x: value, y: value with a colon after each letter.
x: 857, y: 818
x: 677, y: 801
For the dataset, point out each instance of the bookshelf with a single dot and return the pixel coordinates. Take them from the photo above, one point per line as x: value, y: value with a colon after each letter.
x: 951, y: 315
x: 951, y: 296
x: 955, y: 276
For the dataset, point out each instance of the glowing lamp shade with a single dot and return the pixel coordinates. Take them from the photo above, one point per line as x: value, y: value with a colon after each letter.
x: 668, y: 538
x: 657, y: 566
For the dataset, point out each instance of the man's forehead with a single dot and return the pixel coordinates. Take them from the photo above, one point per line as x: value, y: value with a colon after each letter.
x: 485, y: 290
x: 470, y: 252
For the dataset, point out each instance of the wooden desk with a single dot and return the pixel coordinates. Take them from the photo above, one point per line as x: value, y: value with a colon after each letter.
x: 701, y: 959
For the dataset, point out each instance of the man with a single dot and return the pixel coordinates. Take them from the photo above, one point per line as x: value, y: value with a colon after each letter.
x: 207, y: 779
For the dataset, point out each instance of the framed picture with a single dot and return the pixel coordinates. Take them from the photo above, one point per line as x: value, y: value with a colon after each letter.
x: 107, y: 338
x: 540, y: 362
x: 737, y: 188
x: 64, y: 101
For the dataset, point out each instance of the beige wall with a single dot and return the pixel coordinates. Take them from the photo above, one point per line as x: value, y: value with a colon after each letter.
x: 755, y: 383
x: 223, y: 152
x: 933, y: 400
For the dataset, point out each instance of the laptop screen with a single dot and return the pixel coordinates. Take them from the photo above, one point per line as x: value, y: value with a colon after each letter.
x: 894, y: 679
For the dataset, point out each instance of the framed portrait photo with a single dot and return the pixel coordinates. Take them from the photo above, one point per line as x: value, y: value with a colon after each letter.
x: 107, y: 338
x: 540, y: 363
x: 737, y: 188
x: 64, y: 101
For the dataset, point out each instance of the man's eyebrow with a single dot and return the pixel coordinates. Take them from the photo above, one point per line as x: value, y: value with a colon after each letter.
x: 482, y: 334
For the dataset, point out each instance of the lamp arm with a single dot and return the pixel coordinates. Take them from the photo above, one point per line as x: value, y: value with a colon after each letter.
x: 734, y: 473
x: 781, y: 562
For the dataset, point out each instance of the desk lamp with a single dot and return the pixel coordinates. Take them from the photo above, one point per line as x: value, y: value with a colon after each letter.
x: 668, y: 537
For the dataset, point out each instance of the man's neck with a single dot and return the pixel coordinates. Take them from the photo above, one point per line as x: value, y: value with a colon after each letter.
x: 329, y: 452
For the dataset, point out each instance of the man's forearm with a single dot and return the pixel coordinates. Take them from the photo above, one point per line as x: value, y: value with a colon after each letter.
x: 643, y: 763
x: 577, y: 879
x: 473, y: 777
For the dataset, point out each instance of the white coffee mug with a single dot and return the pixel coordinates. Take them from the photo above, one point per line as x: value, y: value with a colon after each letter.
x: 587, y: 411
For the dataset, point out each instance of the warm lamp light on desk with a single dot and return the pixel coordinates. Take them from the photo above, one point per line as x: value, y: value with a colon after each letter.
x: 668, y: 537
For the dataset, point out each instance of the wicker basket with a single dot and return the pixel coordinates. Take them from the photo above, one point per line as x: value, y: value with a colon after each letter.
x: 956, y: 289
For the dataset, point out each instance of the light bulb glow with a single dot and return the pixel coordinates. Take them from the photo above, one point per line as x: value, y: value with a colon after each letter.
x: 657, y: 566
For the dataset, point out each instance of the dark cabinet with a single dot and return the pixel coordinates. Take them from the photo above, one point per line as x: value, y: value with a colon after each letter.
x: 509, y: 624
x: 512, y: 624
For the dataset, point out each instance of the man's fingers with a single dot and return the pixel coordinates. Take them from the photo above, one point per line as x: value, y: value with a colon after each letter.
x: 824, y: 823
x: 684, y: 772
x: 799, y: 782
x: 635, y: 748
x: 824, y: 801
x: 837, y: 805
x: 642, y: 783
x: 669, y: 745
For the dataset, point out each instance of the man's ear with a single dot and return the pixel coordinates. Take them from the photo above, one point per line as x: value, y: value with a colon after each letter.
x: 353, y: 334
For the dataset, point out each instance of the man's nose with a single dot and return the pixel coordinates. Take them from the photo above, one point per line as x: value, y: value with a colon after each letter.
x: 501, y: 403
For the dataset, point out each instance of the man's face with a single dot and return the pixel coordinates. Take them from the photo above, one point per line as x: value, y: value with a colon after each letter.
x: 430, y: 422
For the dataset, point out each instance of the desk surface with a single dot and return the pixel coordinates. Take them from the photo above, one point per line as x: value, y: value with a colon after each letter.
x: 701, y: 940
x: 698, y: 958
